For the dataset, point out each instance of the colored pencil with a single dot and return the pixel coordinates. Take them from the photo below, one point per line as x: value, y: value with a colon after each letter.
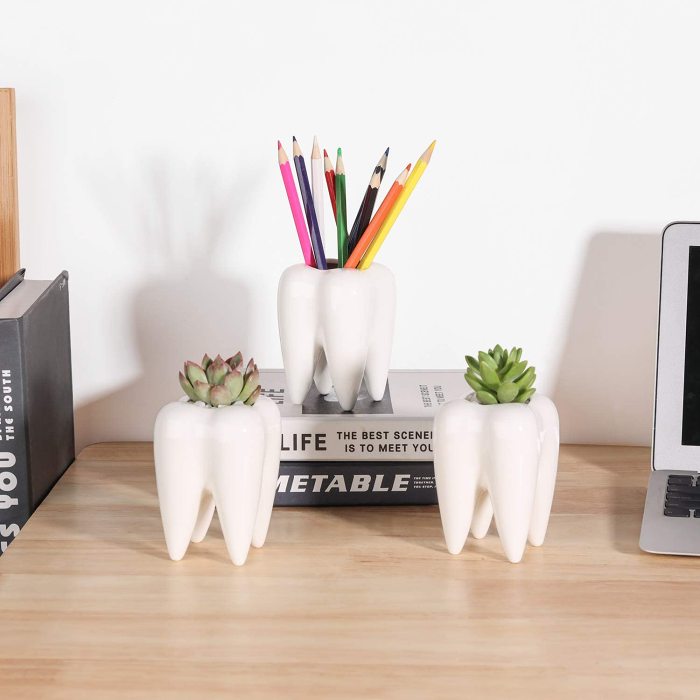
x: 378, y: 219
x: 401, y: 200
x: 295, y: 206
x: 382, y: 163
x: 330, y: 179
x: 308, y: 200
x: 317, y: 178
x: 364, y: 213
x: 341, y: 216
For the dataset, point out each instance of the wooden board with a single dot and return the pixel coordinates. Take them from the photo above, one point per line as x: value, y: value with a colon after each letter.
x: 350, y: 603
x: 9, y: 207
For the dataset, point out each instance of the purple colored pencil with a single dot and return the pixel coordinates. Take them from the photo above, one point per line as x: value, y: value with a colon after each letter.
x: 307, y: 198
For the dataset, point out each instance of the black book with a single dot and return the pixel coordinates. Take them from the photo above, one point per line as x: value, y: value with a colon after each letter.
x: 36, y: 416
x: 356, y: 483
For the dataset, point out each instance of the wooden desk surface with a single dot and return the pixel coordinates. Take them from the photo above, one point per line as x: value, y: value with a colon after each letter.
x: 354, y: 602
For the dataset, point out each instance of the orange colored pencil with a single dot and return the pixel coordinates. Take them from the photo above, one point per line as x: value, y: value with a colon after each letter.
x: 377, y: 219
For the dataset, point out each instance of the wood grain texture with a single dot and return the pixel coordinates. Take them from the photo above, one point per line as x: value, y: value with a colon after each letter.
x: 9, y: 206
x: 349, y: 603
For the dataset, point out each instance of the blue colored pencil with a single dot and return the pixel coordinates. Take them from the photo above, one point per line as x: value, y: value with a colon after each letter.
x: 307, y: 198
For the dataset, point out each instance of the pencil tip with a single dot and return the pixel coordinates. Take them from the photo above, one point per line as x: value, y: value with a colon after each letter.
x: 401, y: 179
x: 386, y: 153
x: 281, y: 155
x: 294, y: 138
x: 339, y: 166
x: 428, y: 152
x: 325, y: 153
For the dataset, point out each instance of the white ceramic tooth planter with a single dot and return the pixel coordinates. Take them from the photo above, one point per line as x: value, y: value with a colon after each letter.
x: 225, y: 458
x: 336, y: 326
x: 496, y: 460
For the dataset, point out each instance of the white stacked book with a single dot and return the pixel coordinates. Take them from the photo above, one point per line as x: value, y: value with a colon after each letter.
x: 379, y: 453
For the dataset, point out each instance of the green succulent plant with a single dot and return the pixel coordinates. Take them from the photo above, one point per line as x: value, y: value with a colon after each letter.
x: 220, y: 382
x: 500, y: 376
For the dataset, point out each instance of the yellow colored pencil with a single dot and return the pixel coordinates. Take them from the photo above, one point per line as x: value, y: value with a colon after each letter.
x: 412, y: 181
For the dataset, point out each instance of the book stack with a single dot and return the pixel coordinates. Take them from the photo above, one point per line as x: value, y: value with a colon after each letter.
x: 380, y: 453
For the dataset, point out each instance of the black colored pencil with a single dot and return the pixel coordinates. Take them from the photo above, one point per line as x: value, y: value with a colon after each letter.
x: 364, y: 213
x: 309, y: 209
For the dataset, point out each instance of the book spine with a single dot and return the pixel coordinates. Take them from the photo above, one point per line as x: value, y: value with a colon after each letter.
x: 15, y: 486
x: 307, y: 439
x: 355, y: 484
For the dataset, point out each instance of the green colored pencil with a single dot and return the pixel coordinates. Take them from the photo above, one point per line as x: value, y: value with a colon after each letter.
x: 341, y: 217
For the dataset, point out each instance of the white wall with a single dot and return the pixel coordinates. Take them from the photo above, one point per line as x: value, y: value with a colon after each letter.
x: 568, y: 135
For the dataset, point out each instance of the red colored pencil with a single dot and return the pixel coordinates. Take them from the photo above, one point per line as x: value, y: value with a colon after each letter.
x: 330, y: 179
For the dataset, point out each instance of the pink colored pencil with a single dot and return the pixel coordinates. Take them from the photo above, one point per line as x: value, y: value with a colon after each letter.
x: 295, y: 205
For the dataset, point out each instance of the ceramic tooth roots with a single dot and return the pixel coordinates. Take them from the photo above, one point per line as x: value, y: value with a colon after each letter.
x: 336, y: 326
x: 210, y: 458
x: 497, y: 461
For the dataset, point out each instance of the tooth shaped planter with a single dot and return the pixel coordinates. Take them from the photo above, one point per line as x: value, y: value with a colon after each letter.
x: 336, y: 326
x: 225, y: 458
x: 499, y: 460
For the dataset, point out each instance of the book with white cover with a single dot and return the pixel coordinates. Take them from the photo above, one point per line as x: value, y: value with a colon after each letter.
x: 397, y: 428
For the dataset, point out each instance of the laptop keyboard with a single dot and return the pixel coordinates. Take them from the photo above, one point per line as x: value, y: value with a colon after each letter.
x: 682, y: 496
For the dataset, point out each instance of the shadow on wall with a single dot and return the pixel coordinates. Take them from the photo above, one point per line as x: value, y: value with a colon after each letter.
x: 604, y: 388
x: 185, y: 307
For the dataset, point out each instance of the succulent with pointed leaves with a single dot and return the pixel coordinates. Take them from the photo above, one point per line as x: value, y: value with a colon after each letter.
x: 220, y: 382
x: 500, y: 376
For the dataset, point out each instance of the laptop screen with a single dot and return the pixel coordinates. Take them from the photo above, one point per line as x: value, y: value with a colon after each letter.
x: 691, y: 375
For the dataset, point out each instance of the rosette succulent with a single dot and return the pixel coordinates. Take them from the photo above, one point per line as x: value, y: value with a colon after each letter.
x: 500, y: 376
x: 220, y: 382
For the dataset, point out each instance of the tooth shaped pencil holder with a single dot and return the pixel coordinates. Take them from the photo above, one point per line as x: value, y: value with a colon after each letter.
x: 336, y: 327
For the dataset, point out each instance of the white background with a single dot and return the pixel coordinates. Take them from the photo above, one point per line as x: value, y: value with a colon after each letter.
x: 568, y: 136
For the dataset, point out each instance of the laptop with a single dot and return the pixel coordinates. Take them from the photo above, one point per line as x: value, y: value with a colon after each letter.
x: 671, y: 523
